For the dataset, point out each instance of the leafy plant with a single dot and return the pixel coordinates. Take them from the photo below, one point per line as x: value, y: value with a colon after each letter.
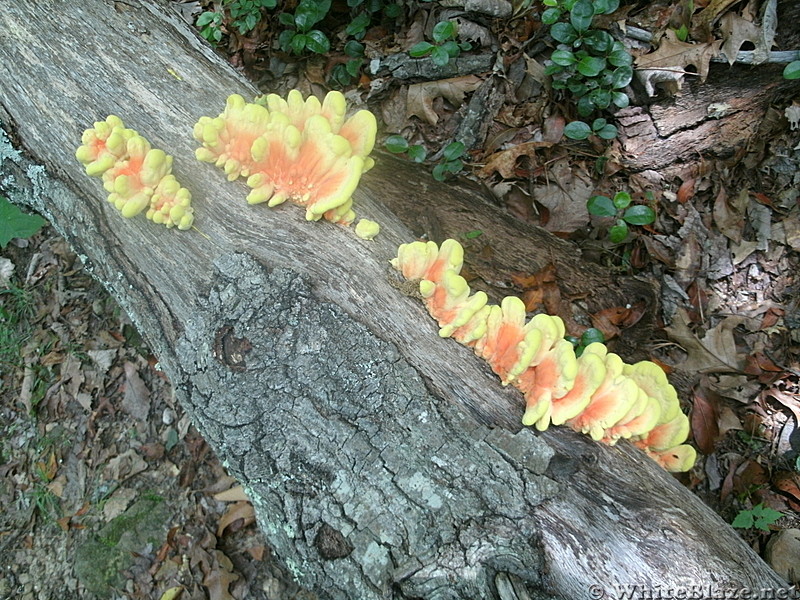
x: 343, y: 74
x: 452, y: 162
x: 589, y: 336
x: 760, y: 517
x: 397, y: 144
x: 792, y: 70
x: 445, y: 48
x: 244, y: 16
x: 578, y: 130
x: 16, y: 224
x: 299, y: 35
x: 621, y: 210
x: 589, y: 63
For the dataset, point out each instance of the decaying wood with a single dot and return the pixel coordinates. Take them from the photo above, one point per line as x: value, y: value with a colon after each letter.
x: 382, y: 460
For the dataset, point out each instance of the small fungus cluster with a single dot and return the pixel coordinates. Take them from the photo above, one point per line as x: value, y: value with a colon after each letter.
x: 304, y: 151
x: 136, y: 176
x: 596, y: 393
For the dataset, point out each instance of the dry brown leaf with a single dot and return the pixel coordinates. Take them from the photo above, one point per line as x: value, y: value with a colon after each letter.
x: 704, y: 20
x: 716, y: 352
x: 735, y: 32
x: 235, y: 494
x: 240, y: 510
x: 669, y: 61
x: 565, y: 194
x: 705, y: 419
x: 219, y: 577
x: 136, y: 399
x: 505, y: 161
x: 729, y: 214
x: 421, y: 95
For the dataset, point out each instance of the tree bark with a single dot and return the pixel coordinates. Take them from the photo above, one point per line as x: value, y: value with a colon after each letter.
x: 382, y: 460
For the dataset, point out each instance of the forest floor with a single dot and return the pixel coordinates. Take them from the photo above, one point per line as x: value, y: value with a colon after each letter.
x: 107, y: 489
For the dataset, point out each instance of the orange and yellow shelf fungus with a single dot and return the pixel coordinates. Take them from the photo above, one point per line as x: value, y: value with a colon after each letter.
x: 596, y: 393
x: 304, y: 151
x: 137, y: 177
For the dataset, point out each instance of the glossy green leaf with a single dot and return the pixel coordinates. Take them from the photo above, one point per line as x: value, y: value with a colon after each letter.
x: 792, y: 70
x: 564, y: 33
x: 621, y: 199
x: 563, y: 58
x: 581, y: 15
x: 440, y: 56
x: 618, y: 233
x: 396, y: 144
x: 550, y: 16
x: 577, y: 130
x: 444, y: 30
x: 417, y: 153
x: 639, y: 215
x: 601, y: 206
x: 318, y: 42
x: 590, y: 66
x: 454, y: 150
x: 420, y: 49
x: 592, y: 335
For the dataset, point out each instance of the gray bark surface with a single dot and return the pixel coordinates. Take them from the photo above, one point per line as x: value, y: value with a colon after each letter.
x: 382, y: 460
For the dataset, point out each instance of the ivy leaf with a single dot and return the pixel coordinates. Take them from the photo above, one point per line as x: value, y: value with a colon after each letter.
x: 16, y: 224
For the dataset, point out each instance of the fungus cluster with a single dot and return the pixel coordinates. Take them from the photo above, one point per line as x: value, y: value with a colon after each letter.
x: 137, y: 177
x: 304, y: 151
x: 596, y: 393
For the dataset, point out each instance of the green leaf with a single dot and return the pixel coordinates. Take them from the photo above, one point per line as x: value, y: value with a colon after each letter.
x: 622, y: 77
x: 590, y: 66
x: 639, y: 215
x: 352, y: 66
x: 581, y: 15
x: 609, y: 132
x: 599, y: 41
x: 454, y: 150
x: 471, y: 235
x: 286, y: 19
x: 420, y: 49
x: 207, y: 18
x: 310, y: 12
x: 792, y: 70
x: 591, y: 336
x: 396, y: 144
x: 605, y: 7
x: 454, y: 166
x: 392, y: 11
x: 16, y: 224
x: 621, y: 199
x: 550, y: 16
x: 744, y: 520
x: 601, y: 98
x: 620, y: 99
x: 577, y: 130
x: 298, y: 43
x: 563, y: 58
x: 417, y: 153
x: 316, y: 41
x: 440, y: 56
x: 601, y: 206
x: 585, y: 106
x: 358, y: 25
x: 619, y: 56
x: 553, y: 70
x: 439, y: 172
x: 444, y: 30
x: 354, y: 49
x: 285, y: 39
x: 682, y: 33
x: 451, y: 48
x: 564, y: 33
x: 618, y: 233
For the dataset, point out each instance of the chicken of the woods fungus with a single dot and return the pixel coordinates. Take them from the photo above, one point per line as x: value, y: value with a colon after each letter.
x: 304, y: 151
x: 138, y: 177
x: 595, y: 393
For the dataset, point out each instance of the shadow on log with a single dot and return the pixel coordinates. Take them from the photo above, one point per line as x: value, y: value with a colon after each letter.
x: 383, y: 461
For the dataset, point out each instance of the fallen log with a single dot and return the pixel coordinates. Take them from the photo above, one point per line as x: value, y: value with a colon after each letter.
x: 382, y: 460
